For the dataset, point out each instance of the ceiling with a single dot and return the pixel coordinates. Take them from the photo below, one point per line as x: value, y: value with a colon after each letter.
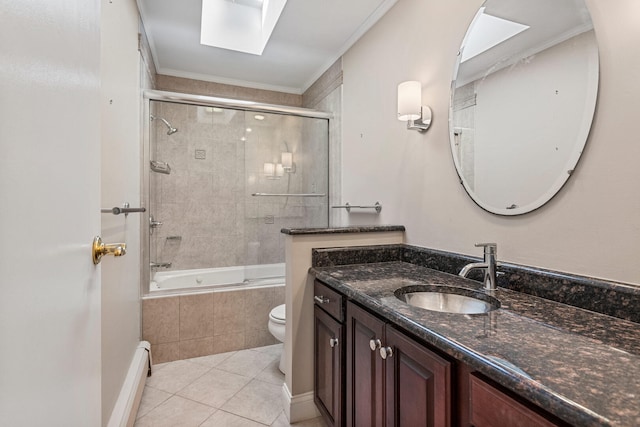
x: 308, y: 38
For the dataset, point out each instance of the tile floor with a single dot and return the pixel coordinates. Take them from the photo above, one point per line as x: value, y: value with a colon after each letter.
x: 235, y: 389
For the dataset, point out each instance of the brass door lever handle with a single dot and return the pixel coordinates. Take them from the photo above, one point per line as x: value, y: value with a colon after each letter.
x: 100, y: 249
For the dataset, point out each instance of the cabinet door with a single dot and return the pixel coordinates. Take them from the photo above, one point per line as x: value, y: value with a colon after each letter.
x: 492, y: 408
x: 365, y: 375
x: 418, y: 384
x: 328, y: 367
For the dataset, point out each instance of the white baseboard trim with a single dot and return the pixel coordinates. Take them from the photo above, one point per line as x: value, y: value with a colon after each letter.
x: 126, y: 407
x: 299, y: 407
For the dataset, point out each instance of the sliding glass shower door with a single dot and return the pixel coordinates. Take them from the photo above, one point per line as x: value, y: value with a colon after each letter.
x: 223, y: 182
x: 286, y: 184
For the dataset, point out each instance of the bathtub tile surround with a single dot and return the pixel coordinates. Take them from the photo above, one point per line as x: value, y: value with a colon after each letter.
x: 239, y: 389
x: 602, y: 296
x: 201, y: 324
x: 161, y: 320
x: 196, y: 316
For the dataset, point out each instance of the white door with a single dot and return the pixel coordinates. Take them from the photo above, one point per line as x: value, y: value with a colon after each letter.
x: 49, y: 212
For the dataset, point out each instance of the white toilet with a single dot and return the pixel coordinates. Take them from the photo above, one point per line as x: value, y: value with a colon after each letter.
x: 276, y: 327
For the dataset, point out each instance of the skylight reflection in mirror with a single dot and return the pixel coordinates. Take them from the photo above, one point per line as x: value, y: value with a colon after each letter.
x: 488, y: 31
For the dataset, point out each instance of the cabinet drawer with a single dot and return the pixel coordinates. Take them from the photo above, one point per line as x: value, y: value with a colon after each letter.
x: 329, y: 300
x: 492, y: 408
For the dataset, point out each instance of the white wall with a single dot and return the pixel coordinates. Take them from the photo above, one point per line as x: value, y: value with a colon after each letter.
x: 548, y: 139
x: 120, y: 106
x: 591, y: 227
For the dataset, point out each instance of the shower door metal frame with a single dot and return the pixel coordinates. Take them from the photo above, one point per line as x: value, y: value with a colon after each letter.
x: 204, y: 101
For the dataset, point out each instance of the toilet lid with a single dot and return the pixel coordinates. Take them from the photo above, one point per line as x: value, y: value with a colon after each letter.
x: 278, y: 313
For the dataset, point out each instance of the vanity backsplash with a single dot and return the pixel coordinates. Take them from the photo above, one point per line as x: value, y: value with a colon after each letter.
x: 601, y: 296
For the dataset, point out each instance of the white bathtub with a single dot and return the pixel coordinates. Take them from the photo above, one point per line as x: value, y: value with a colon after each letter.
x: 224, y: 278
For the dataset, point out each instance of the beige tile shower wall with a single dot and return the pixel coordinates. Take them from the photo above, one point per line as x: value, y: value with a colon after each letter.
x: 201, y: 201
x: 199, y: 87
x: 186, y: 326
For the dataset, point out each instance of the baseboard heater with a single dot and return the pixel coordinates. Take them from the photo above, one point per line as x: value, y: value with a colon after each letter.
x: 126, y: 407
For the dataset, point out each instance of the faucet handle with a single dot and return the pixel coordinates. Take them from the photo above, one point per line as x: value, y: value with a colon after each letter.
x: 489, y: 248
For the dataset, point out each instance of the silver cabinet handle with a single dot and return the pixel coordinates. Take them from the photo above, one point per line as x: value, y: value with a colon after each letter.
x: 321, y: 299
x: 386, y: 352
x: 375, y: 344
x: 333, y: 342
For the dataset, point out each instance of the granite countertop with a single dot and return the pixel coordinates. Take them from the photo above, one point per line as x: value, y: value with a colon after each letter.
x: 339, y: 230
x: 582, y: 366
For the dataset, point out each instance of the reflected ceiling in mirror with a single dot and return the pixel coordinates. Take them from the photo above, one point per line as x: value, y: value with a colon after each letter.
x: 522, y: 102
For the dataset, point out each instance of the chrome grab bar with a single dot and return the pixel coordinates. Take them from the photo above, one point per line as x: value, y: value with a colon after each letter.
x: 125, y: 209
x: 288, y: 194
x: 348, y: 207
x: 117, y: 211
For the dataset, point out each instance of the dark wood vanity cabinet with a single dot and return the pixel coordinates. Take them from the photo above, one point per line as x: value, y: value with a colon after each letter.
x: 369, y: 373
x: 491, y: 407
x: 391, y: 379
x: 329, y: 354
x: 365, y: 374
x: 418, y: 384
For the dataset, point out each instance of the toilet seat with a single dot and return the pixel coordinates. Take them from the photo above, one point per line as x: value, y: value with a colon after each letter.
x: 277, y: 315
x: 277, y: 326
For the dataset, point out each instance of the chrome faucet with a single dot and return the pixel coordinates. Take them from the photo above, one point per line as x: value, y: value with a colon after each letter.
x: 489, y: 265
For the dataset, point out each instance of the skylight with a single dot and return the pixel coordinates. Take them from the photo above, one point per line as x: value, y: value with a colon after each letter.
x: 488, y: 31
x: 240, y: 25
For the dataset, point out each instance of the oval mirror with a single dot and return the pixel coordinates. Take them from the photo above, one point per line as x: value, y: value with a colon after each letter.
x: 522, y: 101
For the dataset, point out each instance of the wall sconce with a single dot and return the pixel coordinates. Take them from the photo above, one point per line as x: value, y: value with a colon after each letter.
x: 410, y: 108
x: 279, y: 173
x: 287, y: 162
x: 273, y: 170
x: 270, y: 170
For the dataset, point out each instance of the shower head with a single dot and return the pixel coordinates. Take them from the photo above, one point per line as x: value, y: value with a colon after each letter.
x: 171, y: 130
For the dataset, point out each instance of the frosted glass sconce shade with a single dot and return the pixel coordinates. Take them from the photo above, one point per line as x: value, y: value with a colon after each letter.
x: 410, y: 108
x: 287, y: 160
x: 273, y: 170
x: 409, y: 100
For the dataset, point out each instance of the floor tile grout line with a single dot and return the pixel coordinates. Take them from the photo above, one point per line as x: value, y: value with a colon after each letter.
x: 239, y: 416
x: 195, y: 401
x: 158, y: 404
x: 239, y: 391
x: 195, y: 379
